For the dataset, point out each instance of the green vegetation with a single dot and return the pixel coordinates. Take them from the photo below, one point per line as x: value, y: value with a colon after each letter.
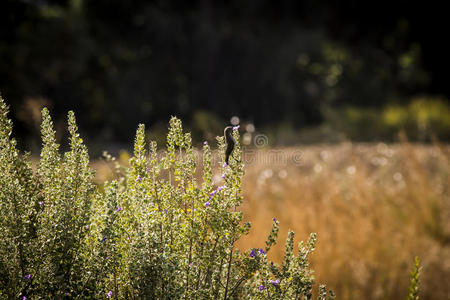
x: 423, y: 119
x: 152, y: 233
x: 414, y: 281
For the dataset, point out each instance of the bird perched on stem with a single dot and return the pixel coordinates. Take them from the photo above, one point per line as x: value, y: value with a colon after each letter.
x: 228, y: 133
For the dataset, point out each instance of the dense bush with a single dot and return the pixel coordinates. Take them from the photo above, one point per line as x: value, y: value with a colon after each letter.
x: 152, y: 233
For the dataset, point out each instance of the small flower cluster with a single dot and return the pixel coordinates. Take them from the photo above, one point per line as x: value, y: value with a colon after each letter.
x: 214, y: 192
x: 254, y: 253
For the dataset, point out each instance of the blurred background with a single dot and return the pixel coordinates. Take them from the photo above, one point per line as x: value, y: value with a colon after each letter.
x: 359, y: 89
x: 303, y: 71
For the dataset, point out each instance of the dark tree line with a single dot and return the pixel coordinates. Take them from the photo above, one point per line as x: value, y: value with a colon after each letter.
x: 118, y: 62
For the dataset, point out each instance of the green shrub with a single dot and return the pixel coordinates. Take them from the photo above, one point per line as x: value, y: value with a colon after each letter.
x: 152, y: 233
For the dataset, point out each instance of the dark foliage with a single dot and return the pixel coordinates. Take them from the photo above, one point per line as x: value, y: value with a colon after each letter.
x: 116, y: 62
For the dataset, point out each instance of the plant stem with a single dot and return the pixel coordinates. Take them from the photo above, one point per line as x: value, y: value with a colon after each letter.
x: 230, y: 259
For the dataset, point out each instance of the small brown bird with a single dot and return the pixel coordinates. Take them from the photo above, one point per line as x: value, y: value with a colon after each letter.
x: 228, y: 133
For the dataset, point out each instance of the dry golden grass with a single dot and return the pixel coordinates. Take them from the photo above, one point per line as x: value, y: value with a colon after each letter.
x: 373, y: 206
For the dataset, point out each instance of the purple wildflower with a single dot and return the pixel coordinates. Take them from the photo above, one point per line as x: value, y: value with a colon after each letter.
x: 274, y: 219
x: 41, y: 203
x: 138, y: 178
x: 23, y: 298
x: 225, y: 164
x: 205, y: 143
x: 109, y: 295
x: 103, y: 239
x: 223, y: 176
x: 119, y: 209
x: 220, y: 188
x: 275, y: 282
x: 207, y: 204
x: 165, y: 211
x: 261, y: 287
x: 212, y: 194
x: 28, y: 277
x: 236, y: 127
x: 261, y: 251
x: 253, y: 253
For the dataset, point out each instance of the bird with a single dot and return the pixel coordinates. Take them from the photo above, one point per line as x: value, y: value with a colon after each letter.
x: 228, y: 133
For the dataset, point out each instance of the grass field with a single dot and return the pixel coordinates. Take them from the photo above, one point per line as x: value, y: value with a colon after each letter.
x: 374, y: 207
